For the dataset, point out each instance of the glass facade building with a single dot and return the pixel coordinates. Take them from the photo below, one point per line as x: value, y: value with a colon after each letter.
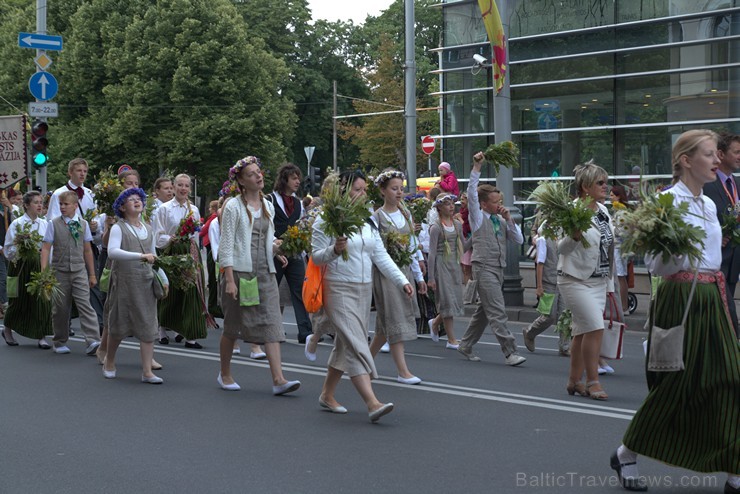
x: 615, y: 81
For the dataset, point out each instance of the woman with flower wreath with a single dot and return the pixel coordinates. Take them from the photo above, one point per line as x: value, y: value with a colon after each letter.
x: 175, y: 225
x: 691, y: 417
x: 445, y: 273
x: 249, y: 291
x: 396, y: 316
x: 131, y: 306
x: 28, y: 315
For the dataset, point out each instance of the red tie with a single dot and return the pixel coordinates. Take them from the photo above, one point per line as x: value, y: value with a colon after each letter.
x: 79, y: 190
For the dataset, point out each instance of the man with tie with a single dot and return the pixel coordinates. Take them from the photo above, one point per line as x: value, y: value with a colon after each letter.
x: 491, y: 226
x: 724, y: 192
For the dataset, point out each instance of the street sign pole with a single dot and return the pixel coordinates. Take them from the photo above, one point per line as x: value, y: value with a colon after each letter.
x: 41, y: 29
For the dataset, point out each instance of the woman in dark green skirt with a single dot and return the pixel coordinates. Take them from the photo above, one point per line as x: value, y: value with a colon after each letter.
x: 27, y: 315
x: 691, y: 417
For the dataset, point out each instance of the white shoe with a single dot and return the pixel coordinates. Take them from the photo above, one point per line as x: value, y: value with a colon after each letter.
x: 409, y: 380
x: 286, y: 388
x: 386, y: 348
x: 152, y: 380
x: 236, y: 351
x: 257, y: 355
x: 608, y: 369
x: 515, y: 359
x: 109, y: 374
x: 310, y: 356
x: 451, y: 346
x: 602, y: 371
x: 92, y: 348
x: 61, y: 349
x: 435, y: 336
x: 228, y: 387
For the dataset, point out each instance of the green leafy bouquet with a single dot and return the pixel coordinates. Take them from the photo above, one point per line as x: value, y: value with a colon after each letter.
x: 27, y: 242
x: 45, y: 285
x: 503, y: 154
x: 565, y: 321
x: 397, y: 244
x: 180, y: 269
x: 731, y: 224
x: 342, y: 215
x: 296, y: 240
x: 561, y: 214
x: 107, y: 188
x: 419, y: 206
x: 657, y: 227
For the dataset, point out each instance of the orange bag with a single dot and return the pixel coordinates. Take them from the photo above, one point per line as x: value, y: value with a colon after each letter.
x: 313, y: 297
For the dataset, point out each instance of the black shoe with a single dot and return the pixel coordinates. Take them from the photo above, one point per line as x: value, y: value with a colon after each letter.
x: 631, y: 484
x: 193, y: 345
x: 164, y: 341
x: 178, y: 338
x: 731, y: 490
x: 11, y: 341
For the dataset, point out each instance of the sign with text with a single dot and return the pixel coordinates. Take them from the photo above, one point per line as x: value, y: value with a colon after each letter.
x: 13, y: 152
x: 43, y: 109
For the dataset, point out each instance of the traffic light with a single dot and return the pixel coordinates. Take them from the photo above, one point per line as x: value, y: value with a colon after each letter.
x: 39, y: 143
x: 313, y: 179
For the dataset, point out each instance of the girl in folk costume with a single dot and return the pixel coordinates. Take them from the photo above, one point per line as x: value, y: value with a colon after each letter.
x: 396, y: 316
x: 28, y: 315
x: 445, y: 273
x: 249, y: 290
x: 183, y: 311
x: 131, y: 304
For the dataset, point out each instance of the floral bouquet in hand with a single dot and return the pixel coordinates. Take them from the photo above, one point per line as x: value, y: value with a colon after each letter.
x: 187, y: 228
x: 731, y: 224
x: 657, y: 228
x: 107, y: 189
x: 503, y: 154
x: 563, y: 326
x: 419, y: 206
x: 397, y: 245
x: 44, y: 284
x: 296, y: 240
x: 27, y: 242
x: 90, y: 214
x: 561, y: 214
x: 180, y: 269
x: 343, y: 215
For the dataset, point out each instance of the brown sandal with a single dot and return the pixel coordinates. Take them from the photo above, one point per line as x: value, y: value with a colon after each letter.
x: 596, y: 395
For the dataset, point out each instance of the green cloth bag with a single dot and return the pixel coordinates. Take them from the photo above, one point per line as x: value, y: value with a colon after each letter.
x: 12, y: 286
x: 249, y: 294
x: 104, y: 282
x: 545, y: 305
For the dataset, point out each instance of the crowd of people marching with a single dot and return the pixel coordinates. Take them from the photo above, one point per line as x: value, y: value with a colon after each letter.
x: 690, y: 418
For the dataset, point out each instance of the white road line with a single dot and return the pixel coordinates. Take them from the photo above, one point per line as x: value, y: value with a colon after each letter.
x: 427, y: 386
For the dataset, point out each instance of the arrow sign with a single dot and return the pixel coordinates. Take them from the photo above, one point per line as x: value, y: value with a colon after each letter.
x: 43, y: 86
x: 427, y: 144
x: 40, y: 41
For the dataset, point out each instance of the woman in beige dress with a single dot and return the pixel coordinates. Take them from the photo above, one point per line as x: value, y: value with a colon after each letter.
x: 131, y: 301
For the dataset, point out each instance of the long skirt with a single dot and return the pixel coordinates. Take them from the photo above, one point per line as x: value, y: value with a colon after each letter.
x: 28, y: 315
x: 396, y: 313
x: 691, y: 418
x: 182, y: 311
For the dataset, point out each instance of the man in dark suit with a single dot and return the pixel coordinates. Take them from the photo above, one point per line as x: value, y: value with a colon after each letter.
x: 724, y: 192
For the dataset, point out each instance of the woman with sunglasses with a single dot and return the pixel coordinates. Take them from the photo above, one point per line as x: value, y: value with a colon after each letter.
x: 583, y: 276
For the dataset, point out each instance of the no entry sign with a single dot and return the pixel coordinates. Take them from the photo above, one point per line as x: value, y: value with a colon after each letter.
x: 427, y: 144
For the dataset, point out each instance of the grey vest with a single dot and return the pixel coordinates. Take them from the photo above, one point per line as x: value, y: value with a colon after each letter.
x: 489, y: 248
x: 66, y: 256
x: 550, y: 268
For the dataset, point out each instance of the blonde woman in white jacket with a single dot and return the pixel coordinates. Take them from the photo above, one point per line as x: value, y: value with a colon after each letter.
x: 583, y: 277
x: 347, y: 293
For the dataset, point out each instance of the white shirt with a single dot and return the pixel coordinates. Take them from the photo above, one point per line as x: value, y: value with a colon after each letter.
x: 87, y: 202
x: 476, y: 215
x: 541, y: 245
x: 49, y: 234
x: 279, y: 201
x: 116, y: 253
x: 399, y: 221
x: 214, y: 236
x: 167, y: 220
x: 38, y: 225
x: 702, y: 213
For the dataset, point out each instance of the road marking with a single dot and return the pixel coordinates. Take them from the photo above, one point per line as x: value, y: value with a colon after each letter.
x: 427, y: 386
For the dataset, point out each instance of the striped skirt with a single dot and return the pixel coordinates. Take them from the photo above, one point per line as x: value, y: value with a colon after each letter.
x: 27, y: 315
x: 691, y: 418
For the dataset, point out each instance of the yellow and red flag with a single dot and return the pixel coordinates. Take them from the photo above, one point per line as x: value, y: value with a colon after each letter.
x: 495, y: 30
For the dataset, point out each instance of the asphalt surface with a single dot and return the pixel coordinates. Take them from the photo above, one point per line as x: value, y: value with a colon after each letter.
x: 469, y: 427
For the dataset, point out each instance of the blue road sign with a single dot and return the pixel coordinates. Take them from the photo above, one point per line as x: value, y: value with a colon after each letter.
x: 43, y: 86
x: 40, y: 41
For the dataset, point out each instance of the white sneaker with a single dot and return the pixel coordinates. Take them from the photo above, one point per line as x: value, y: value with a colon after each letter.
x: 515, y: 359
x: 257, y: 355
x: 236, y: 351
x: 61, y: 349
x: 385, y: 348
x: 451, y: 346
x: 92, y: 348
x: 608, y: 369
x: 602, y: 371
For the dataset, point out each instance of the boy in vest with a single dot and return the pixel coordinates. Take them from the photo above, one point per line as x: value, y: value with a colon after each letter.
x: 491, y: 226
x: 72, y: 260
x: 546, y: 270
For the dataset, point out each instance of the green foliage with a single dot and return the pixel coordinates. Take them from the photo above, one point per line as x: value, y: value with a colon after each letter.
x: 343, y: 215
x: 559, y: 214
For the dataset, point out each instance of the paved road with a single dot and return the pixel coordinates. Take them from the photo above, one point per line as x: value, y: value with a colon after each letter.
x: 470, y: 427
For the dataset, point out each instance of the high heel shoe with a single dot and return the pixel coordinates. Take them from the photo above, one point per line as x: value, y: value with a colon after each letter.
x: 596, y: 395
x: 574, y: 387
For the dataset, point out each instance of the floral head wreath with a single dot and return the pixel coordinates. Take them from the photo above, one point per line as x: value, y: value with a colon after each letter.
x: 387, y: 175
x: 118, y: 204
x: 228, y: 189
x: 444, y: 197
x: 249, y: 160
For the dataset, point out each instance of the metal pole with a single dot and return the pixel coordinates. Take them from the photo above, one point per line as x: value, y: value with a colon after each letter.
x: 334, y: 126
x: 41, y: 29
x: 512, y: 288
x: 410, y: 71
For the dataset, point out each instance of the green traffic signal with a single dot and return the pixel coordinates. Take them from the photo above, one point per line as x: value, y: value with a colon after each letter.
x: 40, y: 159
x: 39, y: 143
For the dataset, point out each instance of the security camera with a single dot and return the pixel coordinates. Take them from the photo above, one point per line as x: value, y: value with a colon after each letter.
x: 479, y: 59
